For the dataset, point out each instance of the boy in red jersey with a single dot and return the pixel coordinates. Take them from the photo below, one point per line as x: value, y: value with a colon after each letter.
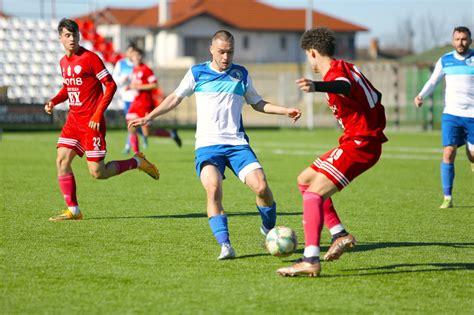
x: 144, y: 82
x: 356, y: 105
x: 84, y: 74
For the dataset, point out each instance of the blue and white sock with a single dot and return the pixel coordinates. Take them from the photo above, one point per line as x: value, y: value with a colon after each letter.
x: 268, y: 215
x: 447, y: 178
x: 127, y: 144
x: 220, y: 229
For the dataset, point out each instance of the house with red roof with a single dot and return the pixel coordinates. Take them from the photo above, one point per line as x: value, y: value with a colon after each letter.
x: 178, y: 32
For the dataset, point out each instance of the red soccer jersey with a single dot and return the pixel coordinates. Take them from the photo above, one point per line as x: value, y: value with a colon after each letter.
x: 83, y: 75
x: 142, y: 74
x: 360, y: 113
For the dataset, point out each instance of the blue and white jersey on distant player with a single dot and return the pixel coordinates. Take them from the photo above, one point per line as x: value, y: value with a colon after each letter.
x: 219, y: 101
x: 122, y: 74
x: 459, y: 73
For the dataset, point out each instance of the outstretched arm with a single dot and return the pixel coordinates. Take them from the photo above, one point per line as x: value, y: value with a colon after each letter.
x: 430, y: 85
x: 59, y: 98
x: 143, y: 87
x: 170, y: 102
x: 269, y: 108
x: 110, y: 88
x: 335, y: 86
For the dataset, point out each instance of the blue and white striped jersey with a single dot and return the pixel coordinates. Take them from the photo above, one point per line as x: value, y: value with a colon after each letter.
x: 122, y: 75
x: 459, y: 73
x: 219, y: 102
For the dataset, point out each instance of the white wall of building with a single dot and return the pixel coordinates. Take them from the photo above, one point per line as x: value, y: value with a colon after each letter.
x: 201, y: 26
x: 169, y: 51
x: 262, y: 46
x: 123, y: 35
x: 266, y: 47
x: 166, y: 48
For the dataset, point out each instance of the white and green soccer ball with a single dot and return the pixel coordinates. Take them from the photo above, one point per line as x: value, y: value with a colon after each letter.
x: 281, y: 241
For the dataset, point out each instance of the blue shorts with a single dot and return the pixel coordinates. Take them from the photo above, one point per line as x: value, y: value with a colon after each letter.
x: 126, y: 107
x: 239, y: 158
x: 456, y: 130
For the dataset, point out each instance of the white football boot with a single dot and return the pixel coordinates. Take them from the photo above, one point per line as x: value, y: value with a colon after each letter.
x: 227, y: 252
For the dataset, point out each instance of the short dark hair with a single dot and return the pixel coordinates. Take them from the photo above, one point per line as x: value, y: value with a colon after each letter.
x: 68, y: 24
x: 322, y: 39
x: 132, y: 45
x: 462, y: 29
x: 223, y: 35
x: 138, y: 50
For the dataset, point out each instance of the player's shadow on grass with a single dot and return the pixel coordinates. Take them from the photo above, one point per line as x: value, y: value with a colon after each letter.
x: 362, y: 247
x: 439, y: 266
x: 404, y: 268
x: 401, y: 268
x: 191, y: 215
x: 252, y: 255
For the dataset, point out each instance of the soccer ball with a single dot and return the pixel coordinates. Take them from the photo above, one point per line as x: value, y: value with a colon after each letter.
x: 281, y: 241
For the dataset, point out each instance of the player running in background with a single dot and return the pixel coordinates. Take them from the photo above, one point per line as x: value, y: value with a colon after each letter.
x: 457, y: 122
x: 123, y: 76
x: 143, y: 83
x: 221, y: 88
x: 356, y: 105
x: 84, y: 74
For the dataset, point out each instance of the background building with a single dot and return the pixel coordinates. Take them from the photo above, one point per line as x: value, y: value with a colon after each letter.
x: 178, y: 33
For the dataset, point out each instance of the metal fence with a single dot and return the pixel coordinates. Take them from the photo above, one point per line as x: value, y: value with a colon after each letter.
x: 398, y: 84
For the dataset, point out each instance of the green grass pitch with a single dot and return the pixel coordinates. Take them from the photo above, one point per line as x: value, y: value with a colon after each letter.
x: 145, y: 246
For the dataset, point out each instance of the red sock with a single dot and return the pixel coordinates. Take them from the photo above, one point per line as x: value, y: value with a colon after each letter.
x: 330, y: 216
x: 125, y: 165
x: 312, y: 218
x: 161, y: 133
x: 67, y: 184
x: 134, y: 142
x: 302, y: 188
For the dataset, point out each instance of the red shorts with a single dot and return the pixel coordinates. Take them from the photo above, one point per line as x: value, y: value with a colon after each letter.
x: 139, y: 109
x: 77, y: 135
x: 350, y: 159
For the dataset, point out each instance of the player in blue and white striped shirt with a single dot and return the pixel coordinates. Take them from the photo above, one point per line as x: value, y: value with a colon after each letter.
x: 122, y: 74
x: 457, y: 122
x: 221, y: 88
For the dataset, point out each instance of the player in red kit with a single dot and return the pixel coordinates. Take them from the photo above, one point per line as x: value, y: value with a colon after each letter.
x: 84, y: 131
x: 144, y: 81
x: 356, y: 105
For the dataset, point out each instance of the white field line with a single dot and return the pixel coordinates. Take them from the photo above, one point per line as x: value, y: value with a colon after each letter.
x: 384, y: 155
x: 301, y: 145
x: 298, y: 148
x: 313, y: 150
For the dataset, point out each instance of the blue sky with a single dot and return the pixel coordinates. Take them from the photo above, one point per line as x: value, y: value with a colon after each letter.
x: 386, y: 19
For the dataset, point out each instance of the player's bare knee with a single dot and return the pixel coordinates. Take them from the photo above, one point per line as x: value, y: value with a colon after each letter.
x: 449, y: 154
x: 262, y: 189
x: 212, y: 189
x: 97, y: 174
x: 302, y: 180
x: 62, y: 163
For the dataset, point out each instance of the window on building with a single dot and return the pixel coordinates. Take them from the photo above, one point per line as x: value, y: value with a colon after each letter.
x: 245, y: 42
x: 283, y: 43
x: 197, y: 47
x: 139, y: 41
